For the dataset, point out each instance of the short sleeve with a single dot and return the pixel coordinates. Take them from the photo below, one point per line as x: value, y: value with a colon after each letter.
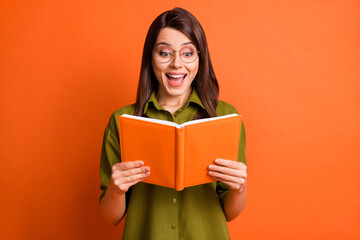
x: 221, y: 188
x: 110, y: 155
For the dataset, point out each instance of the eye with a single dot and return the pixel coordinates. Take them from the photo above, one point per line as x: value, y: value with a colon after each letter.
x: 187, y: 52
x: 164, y: 53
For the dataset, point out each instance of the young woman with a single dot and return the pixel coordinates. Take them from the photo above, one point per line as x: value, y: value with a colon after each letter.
x: 177, y: 83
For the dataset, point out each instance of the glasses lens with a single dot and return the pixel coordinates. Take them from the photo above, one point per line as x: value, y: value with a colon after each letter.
x: 164, y: 54
x: 188, y: 54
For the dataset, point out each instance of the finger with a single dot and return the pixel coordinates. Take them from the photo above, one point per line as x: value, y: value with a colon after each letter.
x: 127, y: 165
x: 124, y: 180
x: 136, y: 181
x: 131, y: 172
x: 232, y: 185
x: 230, y: 163
x: 228, y: 178
x: 125, y: 187
x: 228, y: 171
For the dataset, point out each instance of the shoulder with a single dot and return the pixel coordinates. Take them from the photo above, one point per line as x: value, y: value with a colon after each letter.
x: 224, y: 108
x: 113, y: 123
x: 129, y: 109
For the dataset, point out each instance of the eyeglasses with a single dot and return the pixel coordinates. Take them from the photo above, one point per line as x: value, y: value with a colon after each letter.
x: 164, y: 54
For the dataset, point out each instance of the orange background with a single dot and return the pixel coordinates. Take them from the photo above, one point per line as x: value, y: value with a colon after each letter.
x: 291, y: 68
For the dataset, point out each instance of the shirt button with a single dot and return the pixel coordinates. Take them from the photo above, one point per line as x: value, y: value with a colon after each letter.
x: 174, y: 200
x: 173, y: 227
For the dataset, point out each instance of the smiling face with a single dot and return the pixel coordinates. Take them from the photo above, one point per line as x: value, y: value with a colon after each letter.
x: 174, y: 77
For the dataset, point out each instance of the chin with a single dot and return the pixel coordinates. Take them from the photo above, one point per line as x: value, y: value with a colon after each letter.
x: 177, y: 92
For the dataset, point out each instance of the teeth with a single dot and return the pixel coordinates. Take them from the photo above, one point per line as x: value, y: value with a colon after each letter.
x: 176, y: 76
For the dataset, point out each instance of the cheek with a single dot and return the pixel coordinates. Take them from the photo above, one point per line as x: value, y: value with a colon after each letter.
x: 157, y: 71
x: 194, y: 70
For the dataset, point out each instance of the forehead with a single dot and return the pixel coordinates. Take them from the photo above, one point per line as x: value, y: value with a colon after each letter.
x: 172, y: 37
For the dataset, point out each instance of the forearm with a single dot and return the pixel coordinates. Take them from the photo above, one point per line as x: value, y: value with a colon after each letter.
x: 113, y: 206
x: 234, y: 203
x: 123, y: 176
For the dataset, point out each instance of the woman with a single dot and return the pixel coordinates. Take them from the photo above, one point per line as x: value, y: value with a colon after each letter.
x: 177, y: 83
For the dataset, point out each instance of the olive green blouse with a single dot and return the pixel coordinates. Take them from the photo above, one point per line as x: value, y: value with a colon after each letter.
x: 156, y: 212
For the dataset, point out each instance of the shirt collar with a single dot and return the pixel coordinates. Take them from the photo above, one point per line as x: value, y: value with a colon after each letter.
x: 193, y: 98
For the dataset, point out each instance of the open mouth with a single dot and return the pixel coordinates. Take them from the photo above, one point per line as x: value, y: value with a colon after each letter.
x: 175, y: 80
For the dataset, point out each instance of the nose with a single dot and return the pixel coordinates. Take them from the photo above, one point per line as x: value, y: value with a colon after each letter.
x: 176, y: 61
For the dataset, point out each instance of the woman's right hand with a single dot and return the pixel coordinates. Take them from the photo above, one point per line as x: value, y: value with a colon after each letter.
x: 126, y: 174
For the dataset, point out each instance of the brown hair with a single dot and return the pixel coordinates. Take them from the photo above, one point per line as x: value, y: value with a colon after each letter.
x: 205, y: 82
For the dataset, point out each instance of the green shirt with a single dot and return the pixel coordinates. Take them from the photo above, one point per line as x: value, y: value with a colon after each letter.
x: 156, y: 212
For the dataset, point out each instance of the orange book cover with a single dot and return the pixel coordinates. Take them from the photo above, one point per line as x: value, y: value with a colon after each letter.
x: 179, y: 155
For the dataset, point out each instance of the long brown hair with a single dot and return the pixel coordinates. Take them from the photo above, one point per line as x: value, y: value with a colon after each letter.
x: 205, y: 82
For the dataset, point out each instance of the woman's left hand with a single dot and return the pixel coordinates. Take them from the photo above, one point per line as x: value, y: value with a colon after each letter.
x: 232, y: 173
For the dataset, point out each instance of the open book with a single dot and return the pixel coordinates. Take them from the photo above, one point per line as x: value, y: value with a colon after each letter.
x: 179, y: 155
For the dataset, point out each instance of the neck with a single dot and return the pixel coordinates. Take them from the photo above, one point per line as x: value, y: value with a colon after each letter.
x: 168, y: 101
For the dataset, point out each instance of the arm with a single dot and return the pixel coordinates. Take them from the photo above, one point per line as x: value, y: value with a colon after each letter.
x: 234, y: 203
x: 234, y: 175
x: 116, y: 176
x: 113, y: 206
x: 124, y: 175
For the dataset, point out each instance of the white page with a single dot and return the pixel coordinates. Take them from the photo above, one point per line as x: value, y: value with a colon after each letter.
x: 207, y: 119
x: 168, y: 123
x: 163, y: 122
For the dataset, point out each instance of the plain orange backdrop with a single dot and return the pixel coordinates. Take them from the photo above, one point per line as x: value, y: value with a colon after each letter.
x: 291, y: 68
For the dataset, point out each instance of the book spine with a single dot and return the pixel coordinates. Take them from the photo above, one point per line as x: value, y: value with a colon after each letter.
x: 121, y: 140
x: 179, y: 158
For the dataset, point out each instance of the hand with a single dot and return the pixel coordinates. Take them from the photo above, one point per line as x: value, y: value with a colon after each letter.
x: 126, y: 174
x: 233, y: 174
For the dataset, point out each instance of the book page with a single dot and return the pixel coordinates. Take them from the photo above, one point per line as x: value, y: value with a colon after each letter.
x: 207, y: 119
x: 153, y: 120
x: 168, y: 123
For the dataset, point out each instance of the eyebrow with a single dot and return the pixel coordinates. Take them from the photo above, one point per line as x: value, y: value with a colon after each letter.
x: 167, y: 44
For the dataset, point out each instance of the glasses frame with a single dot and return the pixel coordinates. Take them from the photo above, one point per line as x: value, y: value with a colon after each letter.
x: 174, y: 52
